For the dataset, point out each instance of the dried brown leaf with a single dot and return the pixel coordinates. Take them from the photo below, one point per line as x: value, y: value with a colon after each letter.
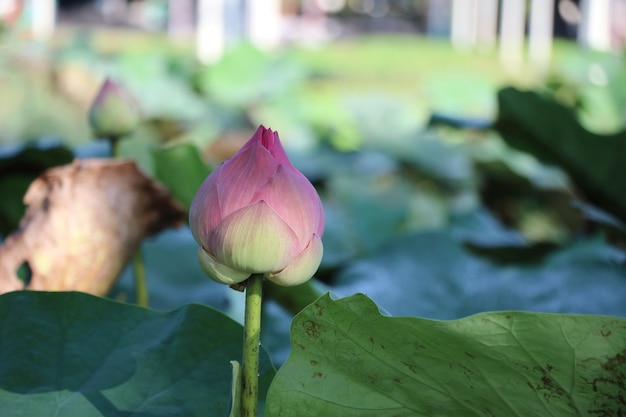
x: 83, y: 223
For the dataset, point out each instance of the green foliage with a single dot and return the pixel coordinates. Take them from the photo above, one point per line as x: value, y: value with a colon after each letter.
x: 350, y: 360
x: 432, y: 274
x: 246, y: 76
x: 552, y: 133
x: 17, y: 171
x: 428, y: 220
x: 28, y: 95
x: 181, y: 169
x: 68, y: 354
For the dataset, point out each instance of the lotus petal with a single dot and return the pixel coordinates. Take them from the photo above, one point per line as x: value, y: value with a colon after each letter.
x: 253, y: 239
x: 302, y: 268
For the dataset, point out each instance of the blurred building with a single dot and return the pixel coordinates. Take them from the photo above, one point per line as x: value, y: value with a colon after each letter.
x: 510, y: 25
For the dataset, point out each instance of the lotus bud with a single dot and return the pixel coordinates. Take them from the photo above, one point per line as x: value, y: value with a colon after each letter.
x: 113, y: 113
x: 257, y: 214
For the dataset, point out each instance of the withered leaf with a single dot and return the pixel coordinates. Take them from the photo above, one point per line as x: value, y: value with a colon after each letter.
x: 83, y: 223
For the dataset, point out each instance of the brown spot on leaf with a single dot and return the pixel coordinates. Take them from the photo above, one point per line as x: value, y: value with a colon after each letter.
x: 418, y: 345
x: 319, y: 309
x: 547, y: 387
x: 411, y: 367
x: 314, y: 362
x: 373, y: 378
x: 312, y: 329
x: 317, y: 375
x: 610, y: 386
x: 487, y: 411
x: 83, y: 223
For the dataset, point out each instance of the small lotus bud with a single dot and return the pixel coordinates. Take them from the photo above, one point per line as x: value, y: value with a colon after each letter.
x: 257, y: 214
x: 113, y: 112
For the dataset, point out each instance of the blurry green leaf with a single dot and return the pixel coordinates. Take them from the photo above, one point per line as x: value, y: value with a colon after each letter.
x: 362, y: 215
x: 31, y: 105
x: 139, y: 147
x: 292, y: 299
x: 17, y: 171
x: 431, y: 274
x: 551, y: 132
x: 246, y: 75
x: 33, y: 159
x: 174, y: 274
x: 459, y: 122
x: 448, y: 164
x: 12, y: 208
x: 235, y: 392
x: 599, y: 216
x: 288, y: 113
x: 101, y: 358
x: 599, y: 112
x: 456, y: 91
x: 592, y: 82
x: 160, y: 89
x: 349, y: 360
x: 514, y: 169
x: 181, y: 169
x: 617, y: 88
x: 382, y: 120
x: 514, y: 255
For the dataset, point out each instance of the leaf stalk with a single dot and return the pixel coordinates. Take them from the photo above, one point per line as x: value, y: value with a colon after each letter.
x: 251, y: 344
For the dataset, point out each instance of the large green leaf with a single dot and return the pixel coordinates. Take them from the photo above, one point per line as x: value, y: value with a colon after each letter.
x: 551, y: 132
x: 73, y: 354
x: 349, y: 360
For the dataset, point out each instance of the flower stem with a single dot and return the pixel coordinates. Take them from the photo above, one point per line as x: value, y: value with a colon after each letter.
x: 139, y: 270
x: 114, y: 141
x: 251, y: 343
x: 141, y: 285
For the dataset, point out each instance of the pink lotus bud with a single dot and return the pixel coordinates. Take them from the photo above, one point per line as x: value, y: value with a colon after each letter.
x: 257, y: 214
x: 113, y: 112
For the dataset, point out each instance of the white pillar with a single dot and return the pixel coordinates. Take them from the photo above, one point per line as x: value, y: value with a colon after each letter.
x: 540, y: 33
x: 463, y: 30
x: 210, y: 31
x: 486, y: 23
x: 264, y: 23
x: 595, y: 25
x: 512, y: 21
x: 44, y: 15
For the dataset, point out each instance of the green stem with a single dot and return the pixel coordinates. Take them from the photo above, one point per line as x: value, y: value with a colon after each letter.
x: 139, y: 271
x: 251, y: 343
x: 115, y: 146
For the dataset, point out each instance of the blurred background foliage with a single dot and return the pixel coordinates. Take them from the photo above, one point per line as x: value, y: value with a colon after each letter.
x: 445, y: 193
